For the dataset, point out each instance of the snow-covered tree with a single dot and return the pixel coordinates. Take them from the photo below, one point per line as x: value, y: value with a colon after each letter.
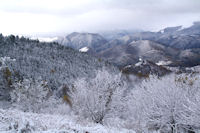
x: 32, y: 95
x: 93, y: 98
x: 168, y: 104
x: 6, y: 77
x: 4, y: 61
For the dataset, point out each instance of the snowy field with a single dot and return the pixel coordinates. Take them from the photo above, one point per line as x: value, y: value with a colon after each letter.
x: 14, y: 121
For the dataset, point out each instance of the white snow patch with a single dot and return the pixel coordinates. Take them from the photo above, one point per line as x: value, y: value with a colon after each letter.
x: 141, y: 62
x: 128, y: 66
x: 163, y: 63
x: 140, y: 59
x: 138, y: 64
x: 84, y: 49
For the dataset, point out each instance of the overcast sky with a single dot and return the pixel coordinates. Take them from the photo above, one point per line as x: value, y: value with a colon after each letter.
x: 58, y: 16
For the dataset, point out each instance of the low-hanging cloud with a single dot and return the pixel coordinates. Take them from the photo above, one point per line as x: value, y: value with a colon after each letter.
x: 57, y: 16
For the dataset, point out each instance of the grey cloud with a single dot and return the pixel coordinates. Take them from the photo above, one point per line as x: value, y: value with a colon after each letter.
x: 97, y: 15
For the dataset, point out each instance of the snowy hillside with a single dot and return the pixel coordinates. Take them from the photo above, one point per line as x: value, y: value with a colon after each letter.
x: 130, y: 53
x: 15, y: 121
x: 57, y: 64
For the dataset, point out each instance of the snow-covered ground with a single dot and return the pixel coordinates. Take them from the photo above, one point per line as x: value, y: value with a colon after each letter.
x: 15, y: 121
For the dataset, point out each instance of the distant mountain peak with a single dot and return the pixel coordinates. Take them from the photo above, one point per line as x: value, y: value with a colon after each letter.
x: 79, y: 40
x: 171, y: 29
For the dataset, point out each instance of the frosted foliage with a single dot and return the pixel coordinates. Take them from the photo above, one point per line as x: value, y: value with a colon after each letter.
x: 32, y: 95
x: 4, y: 61
x: 169, y: 104
x: 92, y: 98
x: 55, y: 63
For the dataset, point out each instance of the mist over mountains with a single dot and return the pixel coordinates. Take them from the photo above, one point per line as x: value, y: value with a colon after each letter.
x: 180, y: 46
